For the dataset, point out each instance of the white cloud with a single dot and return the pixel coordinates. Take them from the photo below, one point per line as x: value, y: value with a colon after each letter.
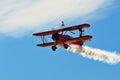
x: 24, y: 15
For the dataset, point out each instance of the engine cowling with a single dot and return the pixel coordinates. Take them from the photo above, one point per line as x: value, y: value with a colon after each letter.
x: 55, y: 36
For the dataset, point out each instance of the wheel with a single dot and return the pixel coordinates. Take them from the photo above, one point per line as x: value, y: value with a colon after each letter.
x: 66, y: 46
x: 54, y: 48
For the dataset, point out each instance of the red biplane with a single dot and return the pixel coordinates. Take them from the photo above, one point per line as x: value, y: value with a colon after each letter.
x: 60, y: 37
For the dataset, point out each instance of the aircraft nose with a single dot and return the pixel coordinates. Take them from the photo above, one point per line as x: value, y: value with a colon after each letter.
x: 55, y: 36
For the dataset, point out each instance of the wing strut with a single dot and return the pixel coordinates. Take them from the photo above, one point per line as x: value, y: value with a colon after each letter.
x: 81, y: 32
x: 43, y: 39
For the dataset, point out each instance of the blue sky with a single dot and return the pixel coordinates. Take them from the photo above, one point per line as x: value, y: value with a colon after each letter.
x: 21, y: 59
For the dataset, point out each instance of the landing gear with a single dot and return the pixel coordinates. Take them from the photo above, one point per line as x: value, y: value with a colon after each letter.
x: 54, y: 48
x: 66, y: 46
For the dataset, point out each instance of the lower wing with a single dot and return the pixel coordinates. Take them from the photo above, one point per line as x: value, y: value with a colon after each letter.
x: 46, y: 44
x: 83, y: 39
x: 70, y: 41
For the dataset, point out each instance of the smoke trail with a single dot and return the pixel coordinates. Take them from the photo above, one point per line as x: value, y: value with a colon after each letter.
x: 96, y: 54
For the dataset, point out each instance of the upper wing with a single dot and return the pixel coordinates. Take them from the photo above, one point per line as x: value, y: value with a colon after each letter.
x: 46, y: 44
x: 63, y: 29
x: 83, y: 39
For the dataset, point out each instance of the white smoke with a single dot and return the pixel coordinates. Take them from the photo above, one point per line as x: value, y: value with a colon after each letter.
x: 96, y: 54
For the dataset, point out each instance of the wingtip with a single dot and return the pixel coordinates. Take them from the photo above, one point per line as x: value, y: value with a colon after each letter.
x: 33, y: 34
x: 87, y: 25
x: 38, y: 45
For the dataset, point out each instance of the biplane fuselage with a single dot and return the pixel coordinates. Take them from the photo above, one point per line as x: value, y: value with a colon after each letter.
x: 63, y: 39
